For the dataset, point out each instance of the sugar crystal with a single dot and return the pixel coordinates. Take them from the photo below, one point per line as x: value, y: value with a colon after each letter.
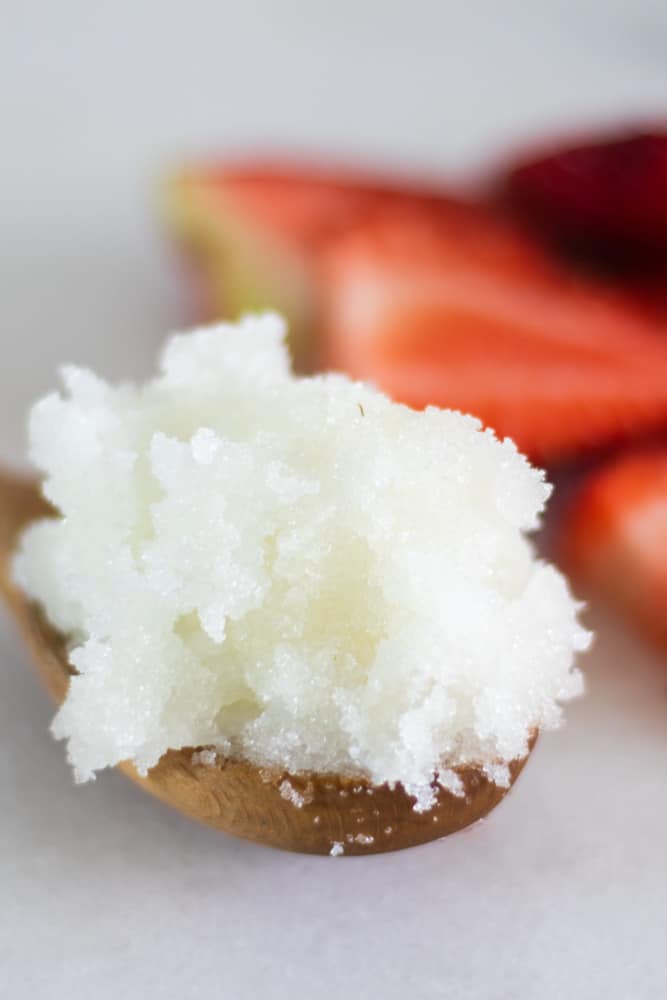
x: 289, y: 792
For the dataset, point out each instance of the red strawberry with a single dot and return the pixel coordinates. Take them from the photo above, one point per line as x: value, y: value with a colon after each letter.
x: 614, y: 539
x: 461, y: 312
x: 605, y: 198
x: 254, y: 233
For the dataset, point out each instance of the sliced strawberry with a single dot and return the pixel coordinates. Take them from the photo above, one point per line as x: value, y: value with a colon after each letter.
x: 604, y: 199
x: 462, y: 312
x: 254, y: 234
x: 614, y: 539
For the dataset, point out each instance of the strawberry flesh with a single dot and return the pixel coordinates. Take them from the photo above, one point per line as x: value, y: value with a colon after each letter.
x: 436, y: 300
x: 255, y: 233
x: 308, y: 208
x: 463, y: 312
x: 614, y: 539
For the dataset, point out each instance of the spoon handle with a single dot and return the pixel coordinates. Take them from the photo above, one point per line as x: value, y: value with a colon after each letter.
x: 20, y: 503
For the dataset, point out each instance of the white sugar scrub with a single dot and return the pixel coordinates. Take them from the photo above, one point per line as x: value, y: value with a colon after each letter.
x: 293, y: 571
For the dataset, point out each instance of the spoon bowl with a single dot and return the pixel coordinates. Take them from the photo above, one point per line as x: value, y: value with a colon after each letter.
x: 311, y: 813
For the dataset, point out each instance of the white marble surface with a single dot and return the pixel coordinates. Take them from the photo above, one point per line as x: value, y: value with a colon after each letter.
x: 104, y: 893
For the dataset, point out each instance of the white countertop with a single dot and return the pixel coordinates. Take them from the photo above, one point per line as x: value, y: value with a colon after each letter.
x: 106, y: 894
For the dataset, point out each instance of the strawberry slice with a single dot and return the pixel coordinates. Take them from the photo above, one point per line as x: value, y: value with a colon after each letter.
x: 614, y: 539
x: 604, y: 199
x: 252, y: 234
x: 460, y: 311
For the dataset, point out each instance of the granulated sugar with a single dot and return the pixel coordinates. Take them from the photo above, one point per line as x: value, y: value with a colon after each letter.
x: 295, y: 571
x: 293, y: 795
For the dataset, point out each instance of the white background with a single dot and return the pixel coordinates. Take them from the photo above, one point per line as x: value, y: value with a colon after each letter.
x: 103, y: 893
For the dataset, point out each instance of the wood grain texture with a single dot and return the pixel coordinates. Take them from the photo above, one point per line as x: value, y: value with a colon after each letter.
x: 234, y: 795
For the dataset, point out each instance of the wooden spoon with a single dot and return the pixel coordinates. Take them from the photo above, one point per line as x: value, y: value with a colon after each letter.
x: 336, y: 814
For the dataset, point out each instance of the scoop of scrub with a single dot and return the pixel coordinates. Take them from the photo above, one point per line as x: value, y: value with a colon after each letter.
x: 318, y: 593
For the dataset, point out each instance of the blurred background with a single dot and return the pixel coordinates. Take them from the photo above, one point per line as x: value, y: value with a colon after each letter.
x: 98, y: 101
x: 562, y: 894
